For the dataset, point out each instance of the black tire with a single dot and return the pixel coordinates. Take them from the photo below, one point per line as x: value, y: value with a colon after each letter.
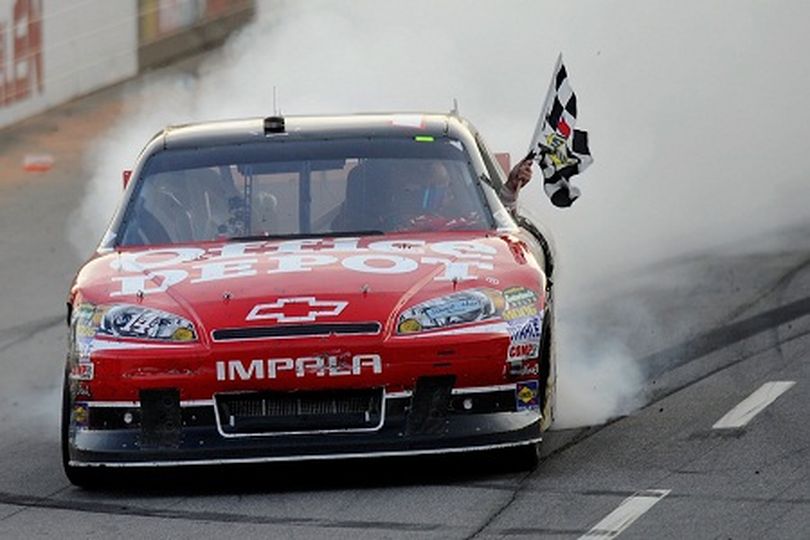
x: 525, y: 457
x: 79, y: 476
x: 545, y: 367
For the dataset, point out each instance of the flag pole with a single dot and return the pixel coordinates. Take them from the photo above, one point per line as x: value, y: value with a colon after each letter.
x: 538, y: 130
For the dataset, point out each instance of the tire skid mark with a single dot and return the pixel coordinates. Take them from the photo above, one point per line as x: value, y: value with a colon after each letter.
x: 539, y: 531
x: 658, y: 363
x: 24, y: 332
x: 779, y: 285
x: 744, y: 499
x: 94, y: 507
x: 21, y: 508
x: 665, y: 393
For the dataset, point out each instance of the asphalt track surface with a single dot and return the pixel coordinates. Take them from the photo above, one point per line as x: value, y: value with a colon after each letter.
x: 738, y: 322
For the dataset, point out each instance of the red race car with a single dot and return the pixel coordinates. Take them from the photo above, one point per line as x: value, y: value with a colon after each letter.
x: 309, y: 288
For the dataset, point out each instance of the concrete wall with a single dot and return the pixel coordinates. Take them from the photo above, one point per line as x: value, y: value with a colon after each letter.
x: 54, y: 50
x: 171, y: 29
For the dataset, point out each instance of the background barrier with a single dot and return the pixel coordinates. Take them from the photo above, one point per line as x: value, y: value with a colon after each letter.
x: 171, y: 29
x: 52, y: 51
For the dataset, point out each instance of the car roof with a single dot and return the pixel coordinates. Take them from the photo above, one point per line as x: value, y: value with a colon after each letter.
x: 313, y: 127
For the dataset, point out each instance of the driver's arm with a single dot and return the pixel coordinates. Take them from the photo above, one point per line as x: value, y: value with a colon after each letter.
x: 519, y: 176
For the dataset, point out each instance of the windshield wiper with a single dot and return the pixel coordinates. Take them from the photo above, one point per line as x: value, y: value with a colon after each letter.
x: 298, y: 236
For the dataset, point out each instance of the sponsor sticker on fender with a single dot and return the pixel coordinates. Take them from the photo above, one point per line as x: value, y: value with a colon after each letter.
x: 520, y: 302
x: 528, y: 330
x: 81, y: 372
x: 524, y: 368
x: 80, y: 415
x: 80, y: 390
x: 524, y: 338
x: 526, y: 396
x: 522, y: 351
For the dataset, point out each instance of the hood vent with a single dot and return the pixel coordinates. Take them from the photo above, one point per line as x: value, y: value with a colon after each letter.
x: 298, y: 330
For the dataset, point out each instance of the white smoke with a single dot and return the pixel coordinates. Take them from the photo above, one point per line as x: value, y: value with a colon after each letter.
x: 695, y: 110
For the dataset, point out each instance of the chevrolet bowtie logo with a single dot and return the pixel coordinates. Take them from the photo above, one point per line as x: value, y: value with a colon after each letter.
x: 299, y: 309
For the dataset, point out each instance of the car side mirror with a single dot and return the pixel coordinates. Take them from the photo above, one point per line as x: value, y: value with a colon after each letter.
x: 504, y: 160
x: 126, y: 175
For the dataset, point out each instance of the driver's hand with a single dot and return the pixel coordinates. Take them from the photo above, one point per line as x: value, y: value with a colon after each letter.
x: 520, y: 175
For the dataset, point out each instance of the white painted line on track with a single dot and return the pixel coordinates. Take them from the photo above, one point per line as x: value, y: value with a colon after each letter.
x: 753, y: 404
x: 626, y: 513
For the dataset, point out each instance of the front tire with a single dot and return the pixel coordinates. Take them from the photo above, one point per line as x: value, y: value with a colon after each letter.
x: 79, y: 476
x: 525, y: 457
x: 548, y: 370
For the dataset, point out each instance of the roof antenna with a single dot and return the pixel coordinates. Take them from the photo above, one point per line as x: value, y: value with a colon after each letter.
x: 454, y: 112
x: 275, y: 108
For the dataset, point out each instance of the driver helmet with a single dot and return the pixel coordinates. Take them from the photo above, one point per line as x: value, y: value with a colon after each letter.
x: 424, y: 187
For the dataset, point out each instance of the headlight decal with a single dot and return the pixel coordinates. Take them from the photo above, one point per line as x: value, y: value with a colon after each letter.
x: 467, y: 306
x: 127, y: 321
x: 145, y: 323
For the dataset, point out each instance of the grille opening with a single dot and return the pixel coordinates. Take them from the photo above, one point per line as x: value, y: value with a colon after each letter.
x: 321, y: 329
x: 283, y: 412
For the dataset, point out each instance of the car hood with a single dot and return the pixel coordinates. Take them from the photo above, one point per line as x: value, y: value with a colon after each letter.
x: 307, y: 281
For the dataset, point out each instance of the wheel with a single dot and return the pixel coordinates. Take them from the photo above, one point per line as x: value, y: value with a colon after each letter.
x: 548, y: 384
x: 525, y: 457
x: 79, y: 476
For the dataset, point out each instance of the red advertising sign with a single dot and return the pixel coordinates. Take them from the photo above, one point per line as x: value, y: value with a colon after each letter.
x: 21, y: 52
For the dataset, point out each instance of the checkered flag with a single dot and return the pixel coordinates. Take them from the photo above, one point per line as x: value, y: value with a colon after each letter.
x: 560, y: 150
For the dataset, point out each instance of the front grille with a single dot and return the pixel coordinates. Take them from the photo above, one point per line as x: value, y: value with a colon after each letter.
x: 297, y: 330
x: 285, y: 412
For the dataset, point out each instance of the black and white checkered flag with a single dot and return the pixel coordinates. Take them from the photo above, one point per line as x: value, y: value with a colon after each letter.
x: 560, y: 150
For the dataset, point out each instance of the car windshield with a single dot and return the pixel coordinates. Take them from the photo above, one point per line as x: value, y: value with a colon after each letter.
x: 304, y: 188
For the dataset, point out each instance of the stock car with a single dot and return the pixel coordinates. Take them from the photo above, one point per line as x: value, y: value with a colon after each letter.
x: 307, y: 288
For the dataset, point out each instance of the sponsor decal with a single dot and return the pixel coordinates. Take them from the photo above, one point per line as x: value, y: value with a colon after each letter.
x: 21, y: 48
x: 80, y: 415
x: 319, y: 366
x: 526, y: 331
x: 526, y: 396
x: 524, y: 368
x: 86, y: 320
x: 522, y: 351
x: 84, y: 346
x: 300, y: 309
x: 520, y: 302
x: 82, y: 371
x: 81, y: 390
x: 155, y: 271
x: 409, y: 326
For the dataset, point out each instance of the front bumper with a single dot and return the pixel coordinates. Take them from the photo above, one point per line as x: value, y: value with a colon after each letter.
x: 412, y: 423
